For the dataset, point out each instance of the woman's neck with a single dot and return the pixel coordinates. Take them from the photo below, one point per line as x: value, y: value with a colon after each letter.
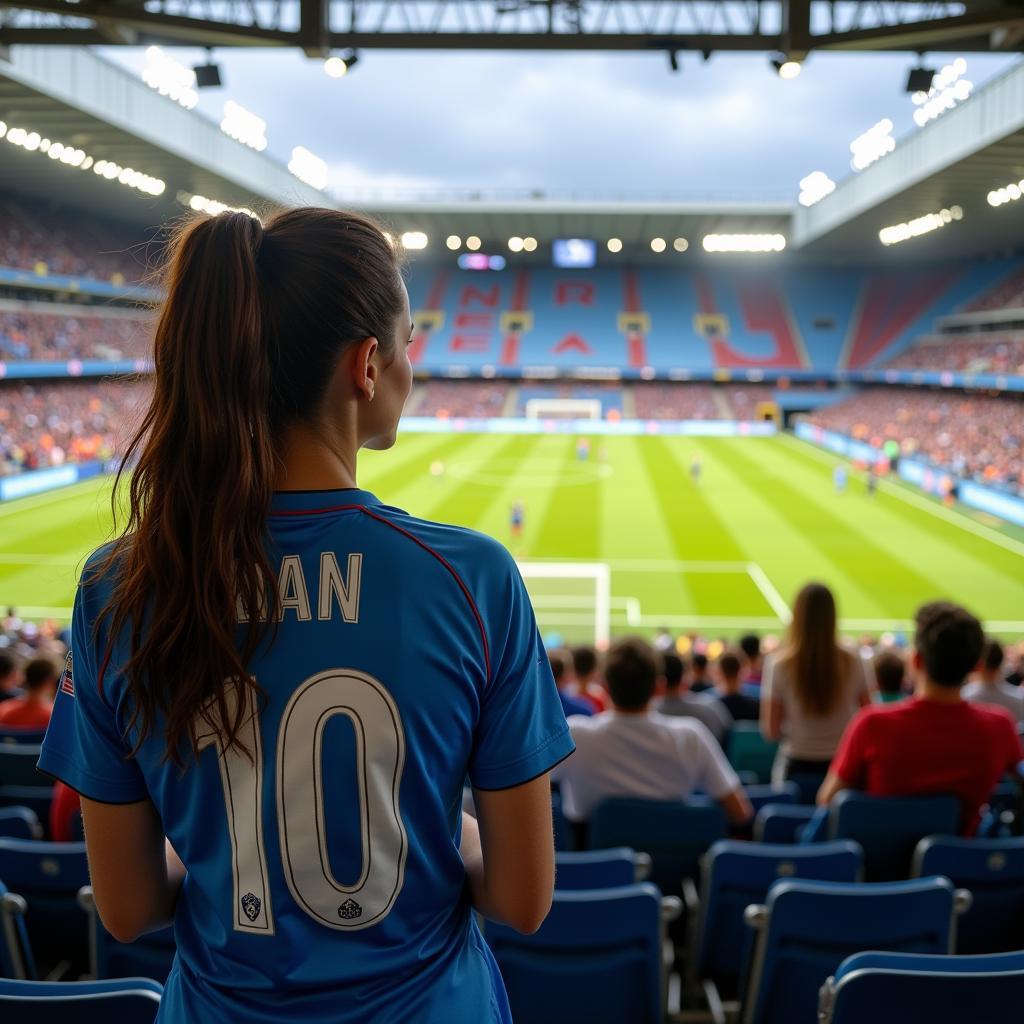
x: 311, y: 461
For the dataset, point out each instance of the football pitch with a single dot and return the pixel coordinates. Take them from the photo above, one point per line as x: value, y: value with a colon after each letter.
x: 626, y: 541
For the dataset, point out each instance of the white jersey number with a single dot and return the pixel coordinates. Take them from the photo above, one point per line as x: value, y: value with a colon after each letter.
x: 302, y: 831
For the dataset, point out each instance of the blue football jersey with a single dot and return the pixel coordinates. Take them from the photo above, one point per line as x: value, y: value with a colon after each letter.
x: 324, y: 878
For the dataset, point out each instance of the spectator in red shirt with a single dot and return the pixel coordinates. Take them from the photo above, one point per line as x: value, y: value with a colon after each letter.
x: 587, y: 671
x: 64, y: 808
x: 33, y: 710
x: 934, y: 742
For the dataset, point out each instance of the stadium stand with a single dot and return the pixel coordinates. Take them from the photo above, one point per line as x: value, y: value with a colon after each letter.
x: 1007, y: 293
x: 973, y: 435
x: 983, y: 352
x: 26, y: 334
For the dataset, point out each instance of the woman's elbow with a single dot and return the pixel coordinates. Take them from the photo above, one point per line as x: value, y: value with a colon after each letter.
x: 527, y: 920
x: 122, y: 928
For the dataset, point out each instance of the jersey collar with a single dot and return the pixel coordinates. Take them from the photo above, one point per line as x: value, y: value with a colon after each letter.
x: 321, y: 501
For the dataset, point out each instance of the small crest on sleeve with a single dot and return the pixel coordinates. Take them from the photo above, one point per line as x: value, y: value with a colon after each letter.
x: 67, y: 682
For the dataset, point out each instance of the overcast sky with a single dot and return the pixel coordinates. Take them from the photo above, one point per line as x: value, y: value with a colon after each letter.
x: 595, y: 123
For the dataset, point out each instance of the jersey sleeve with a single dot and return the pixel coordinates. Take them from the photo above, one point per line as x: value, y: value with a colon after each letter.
x: 850, y: 761
x: 522, y: 731
x: 84, y: 746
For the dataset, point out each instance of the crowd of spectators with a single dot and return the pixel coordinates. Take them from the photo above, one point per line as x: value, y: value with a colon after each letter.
x: 671, y: 400
x: 31, y: 335
x: 1000, y: 352
x: 55, y: 240
x: 971, y: 436
x: 1008, y: 294
x: 43, y: 425
x: 447, y: 399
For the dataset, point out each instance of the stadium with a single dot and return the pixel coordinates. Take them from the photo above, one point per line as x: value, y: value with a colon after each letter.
x: 686, y: 419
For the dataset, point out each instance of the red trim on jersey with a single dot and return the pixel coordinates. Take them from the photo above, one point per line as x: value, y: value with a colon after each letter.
x: 426, y: 547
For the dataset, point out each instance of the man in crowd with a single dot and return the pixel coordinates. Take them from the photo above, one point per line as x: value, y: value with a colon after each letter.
x: 9, y: 677
x: 935, y: 742
x: 890, y: 672
x: 33, y: 709
x: 588, y: 678
x: 571, y: 704
x: 750, y: 645
x: 681, y: 702
x: 990, y: 688
x: 633, y: 751
x: 729, y: 689
x: 700, y: 678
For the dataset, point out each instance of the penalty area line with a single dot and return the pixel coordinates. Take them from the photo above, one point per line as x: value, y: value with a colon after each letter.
x: 768, y: 592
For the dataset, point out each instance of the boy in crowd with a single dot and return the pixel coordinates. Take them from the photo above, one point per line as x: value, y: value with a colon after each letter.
x: 680, y: 701
x: 935, y: 742
x: 34, y: 708
x: 571, y: 704
x: 890, y: 672
x: 636, y: 752
x: 588, y: 678
x: 990, y: 688
x: 729, y: 689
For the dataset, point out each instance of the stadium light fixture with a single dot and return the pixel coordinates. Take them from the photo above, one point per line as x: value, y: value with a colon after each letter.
x: 473, y: 243
x: 1007, y: 194
x: 202, y: 204
x: 308, y: 167
x: 169, y: 78
x: 680, y: 245
x: 658, y: 245
x: 896, y: 233
x: 414, y: 240
x: 756, y: 243
x: 339, y: 67
x: 919, y: 79
x: 208, y: 74
x: 615, y: 245
x: 244, y: 126
x: 948, y: 90
x: 515, y: 244
x: 529, y: 244
x: 453, y: 242
x: 815, y: 187
x: 872, y: 145
x: 787, y: 68
x: 673, y: 60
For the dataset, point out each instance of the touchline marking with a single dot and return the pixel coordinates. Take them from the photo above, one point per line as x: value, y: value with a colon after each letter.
x: 768, y: 591
x: 912, y: 498
x: 32, y: 502
x: 661, y: 565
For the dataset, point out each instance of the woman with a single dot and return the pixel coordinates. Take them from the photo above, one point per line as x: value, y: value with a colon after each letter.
x: 290, y: 680
x: 811, y: 688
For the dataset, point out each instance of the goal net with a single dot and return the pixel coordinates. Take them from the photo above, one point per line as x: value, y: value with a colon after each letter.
x: 563, y: 408
x: 571, y: 598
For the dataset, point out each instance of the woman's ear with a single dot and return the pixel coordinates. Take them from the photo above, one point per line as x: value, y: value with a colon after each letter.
x: 364, y: 369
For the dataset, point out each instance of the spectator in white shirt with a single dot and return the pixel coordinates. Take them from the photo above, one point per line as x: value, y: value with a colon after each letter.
x: 633, y: 751
x: 679, y: 700
x: 989, y: 687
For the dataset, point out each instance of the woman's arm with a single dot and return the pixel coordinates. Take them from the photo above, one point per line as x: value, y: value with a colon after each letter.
x: 135, y: 873
x: 510, y: 853
x: 772, y: 714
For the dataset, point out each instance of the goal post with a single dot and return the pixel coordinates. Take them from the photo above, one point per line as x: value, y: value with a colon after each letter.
x: 571, y: 594
x: 563, y: 408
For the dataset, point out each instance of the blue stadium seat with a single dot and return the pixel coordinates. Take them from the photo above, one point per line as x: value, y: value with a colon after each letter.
x: 36, y: 798
x: 674, y: 834
x: 16, y: 959
x: 904, y: 988
x: 772, y: 793
x: 993, y: 871
x: 889, y: 828
x: 128, y: 1001
x: 18, y: 766
x: 48, y: 876
x: 19, y: 823
x: 806, y: 929
x: 599, y: 957
x: 13, y: 734
x: 749, y: 751
x: 781, y: 823
x: 149, y: 956
x: 600, y: 869
x: 735, y: 875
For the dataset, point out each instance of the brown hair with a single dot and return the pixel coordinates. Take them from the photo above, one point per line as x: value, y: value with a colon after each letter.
x: 812, y: 653
x: 39, y: 672
x: 254, y: 320
x: 729, y: 665
x: 890, y: 671
x: 949, y: 640
x: 631, y: 670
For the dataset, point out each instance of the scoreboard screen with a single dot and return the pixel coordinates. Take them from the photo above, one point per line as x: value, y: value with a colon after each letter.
x: 574, y: 252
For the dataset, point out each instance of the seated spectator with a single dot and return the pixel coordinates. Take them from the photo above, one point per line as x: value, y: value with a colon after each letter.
x: 729, y: 689
x: 634, y: 751
x: 1015, y: 676
x: 700, y: 678
x: 812, y: 688
x: 33, y: 709
x: 10, y: 676
x: 750, y: 645
x: 680, y: 702
x: 890, y: 672
x: 935, y: 742
x: 588, y: 678
x: 989, y: 687
x: 64, y: 808
x: 571, y: 704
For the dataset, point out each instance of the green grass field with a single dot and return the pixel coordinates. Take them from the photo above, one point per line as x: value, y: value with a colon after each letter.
x: 719, y: 557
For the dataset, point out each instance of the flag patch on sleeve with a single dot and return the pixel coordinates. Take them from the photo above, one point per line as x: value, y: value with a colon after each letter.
x: 67, y: 683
